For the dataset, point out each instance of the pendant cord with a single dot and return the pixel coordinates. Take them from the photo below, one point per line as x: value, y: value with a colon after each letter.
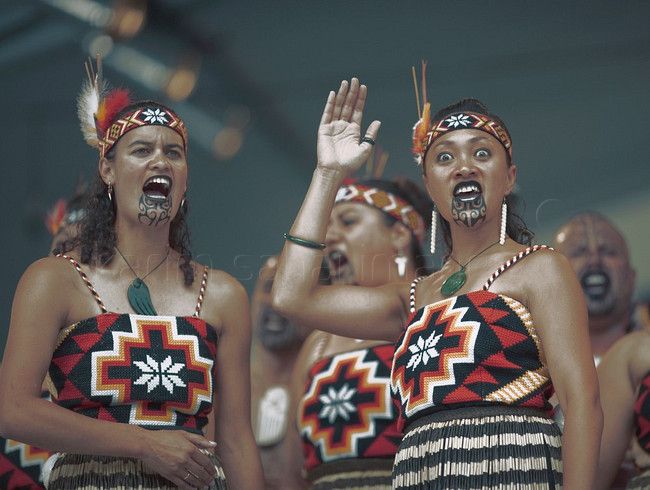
x: 152, y: 270
x: 467, y: 263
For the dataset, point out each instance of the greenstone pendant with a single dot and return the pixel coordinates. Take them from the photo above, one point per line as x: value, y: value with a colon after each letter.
x: 139, y: 298
x: 453, y: 283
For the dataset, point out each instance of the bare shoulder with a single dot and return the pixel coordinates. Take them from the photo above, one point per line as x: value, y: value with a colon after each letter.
x: 548, y: 262
x: 547, y: 269
x: 225, y: 298
x: 49, y: 273
x: 46, y: 286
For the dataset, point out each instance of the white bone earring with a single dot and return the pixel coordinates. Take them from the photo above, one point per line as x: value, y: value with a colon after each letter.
x: 504, y: 217
x: 434, y: 223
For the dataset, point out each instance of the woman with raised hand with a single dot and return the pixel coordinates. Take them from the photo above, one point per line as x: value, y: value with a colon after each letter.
x: 133, y: 334
x: 481, y: 343
x: 347, y: 421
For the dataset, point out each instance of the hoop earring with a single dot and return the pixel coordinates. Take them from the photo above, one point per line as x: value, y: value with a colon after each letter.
x: 110, y: 191
x: 504, y: 217
x: 401, y: 261
x: 434, y: 223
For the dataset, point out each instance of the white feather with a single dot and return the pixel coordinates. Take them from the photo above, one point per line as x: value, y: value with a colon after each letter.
x: 88, y: 101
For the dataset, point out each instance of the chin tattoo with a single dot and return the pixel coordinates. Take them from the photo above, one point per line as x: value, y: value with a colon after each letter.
x: 468, y: 213
x: 154, y: 212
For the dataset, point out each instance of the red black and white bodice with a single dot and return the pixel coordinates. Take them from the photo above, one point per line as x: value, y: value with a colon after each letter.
x: 478, y: 348
x: 642, y: 414
x: 151, y: 371
x: 347, y: 411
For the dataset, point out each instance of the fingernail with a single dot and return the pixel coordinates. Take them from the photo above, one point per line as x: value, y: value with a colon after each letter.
x: 212, y: 443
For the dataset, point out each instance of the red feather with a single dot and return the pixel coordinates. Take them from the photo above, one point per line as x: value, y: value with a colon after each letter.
x: 110, y: 106
x: 55, y: 216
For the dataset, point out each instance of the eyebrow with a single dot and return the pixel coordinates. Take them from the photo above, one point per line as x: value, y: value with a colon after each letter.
x: 149, y: 143
x: 472, y: 140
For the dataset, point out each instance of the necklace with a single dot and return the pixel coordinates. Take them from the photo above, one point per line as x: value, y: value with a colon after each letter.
x: 138, y: 292
x: 454, y: 282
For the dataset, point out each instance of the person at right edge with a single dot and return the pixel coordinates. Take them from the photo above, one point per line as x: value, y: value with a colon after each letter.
x: 479, y: 347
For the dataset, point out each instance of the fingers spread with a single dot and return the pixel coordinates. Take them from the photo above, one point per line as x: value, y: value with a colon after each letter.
x: 329, y: 109
x: 371, y: 133
x: 350, y: 100
x: 340, y: 100
x: 357, y: 113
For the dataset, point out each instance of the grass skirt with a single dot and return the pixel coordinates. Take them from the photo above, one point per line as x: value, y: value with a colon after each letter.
x: 480, y: 448
x: 353, y: 474
x: 84, y: 471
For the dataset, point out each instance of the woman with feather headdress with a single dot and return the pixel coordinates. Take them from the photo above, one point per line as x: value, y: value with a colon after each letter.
x: 126, y: 324
x: 481, y: 343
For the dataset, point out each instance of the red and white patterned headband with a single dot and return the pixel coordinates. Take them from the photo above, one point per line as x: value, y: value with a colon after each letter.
x: 385, y: 201
x: 422, y: 140
x: 146, y: 114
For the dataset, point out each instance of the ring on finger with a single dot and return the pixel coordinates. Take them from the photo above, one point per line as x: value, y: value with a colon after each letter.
x: 187, y: 476
x: 367, y: 139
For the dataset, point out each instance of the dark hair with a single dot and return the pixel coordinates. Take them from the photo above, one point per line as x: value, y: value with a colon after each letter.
x: 97, y: 239
x: 416, y: 197
x: 516, y: 228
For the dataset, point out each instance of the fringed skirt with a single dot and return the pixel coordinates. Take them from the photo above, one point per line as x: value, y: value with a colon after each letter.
x: 352, y: 474
x: 480, y: 448
x: 83, y: 471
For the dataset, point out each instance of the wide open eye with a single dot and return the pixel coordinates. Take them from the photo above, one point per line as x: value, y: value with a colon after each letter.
x: 482, y: 153
x: 444, y: 157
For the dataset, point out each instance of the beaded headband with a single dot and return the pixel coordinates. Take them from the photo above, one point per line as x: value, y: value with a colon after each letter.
x: 425, y: 132
x: 385, y: 201
x: 98, y: 109
x: 146, y: 114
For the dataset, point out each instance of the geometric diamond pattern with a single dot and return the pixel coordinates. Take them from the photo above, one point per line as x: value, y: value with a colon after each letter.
x: 152, y: 371
x: 20, y: 464
x: 347, y: 410
x: 486, y: 351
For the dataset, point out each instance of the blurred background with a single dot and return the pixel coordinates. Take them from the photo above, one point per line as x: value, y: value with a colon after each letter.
x: 250, y: 79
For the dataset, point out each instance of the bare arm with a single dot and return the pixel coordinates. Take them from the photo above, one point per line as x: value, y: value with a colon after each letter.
x: 352, y: 311
x: 557, y: 307
x: 236, y: 447
x: 618, y: 384
x: 38, y: 311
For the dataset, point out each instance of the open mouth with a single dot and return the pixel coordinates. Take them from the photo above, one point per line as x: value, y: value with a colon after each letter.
x: 157, y: 187
x: 273, y: 322
x: 467, y: 191
x: 595, y: 284
x: 338, y: 265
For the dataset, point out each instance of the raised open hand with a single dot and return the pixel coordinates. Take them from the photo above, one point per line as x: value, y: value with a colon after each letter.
x: 339, y: 133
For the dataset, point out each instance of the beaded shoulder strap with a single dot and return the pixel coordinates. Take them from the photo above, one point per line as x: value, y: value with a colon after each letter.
x: 86, y: 281
x: 199, y: 301
x: 510, y: 262
x: 412, y: 293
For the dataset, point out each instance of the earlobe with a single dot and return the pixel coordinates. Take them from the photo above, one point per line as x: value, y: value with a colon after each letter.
x: 400, y: 236
x: 512, y: 178
x: 106, y: 171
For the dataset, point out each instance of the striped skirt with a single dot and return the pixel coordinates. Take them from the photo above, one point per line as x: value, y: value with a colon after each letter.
x: 480, y: 448
x: 352, y: 474
x: 83, y: 471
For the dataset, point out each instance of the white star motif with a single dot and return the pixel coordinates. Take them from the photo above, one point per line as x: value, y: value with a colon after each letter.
x: 423, y: 350
x: 154, y: 373
x: 337, y: 404
x: 458, y: 120
x: 155, y: 116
